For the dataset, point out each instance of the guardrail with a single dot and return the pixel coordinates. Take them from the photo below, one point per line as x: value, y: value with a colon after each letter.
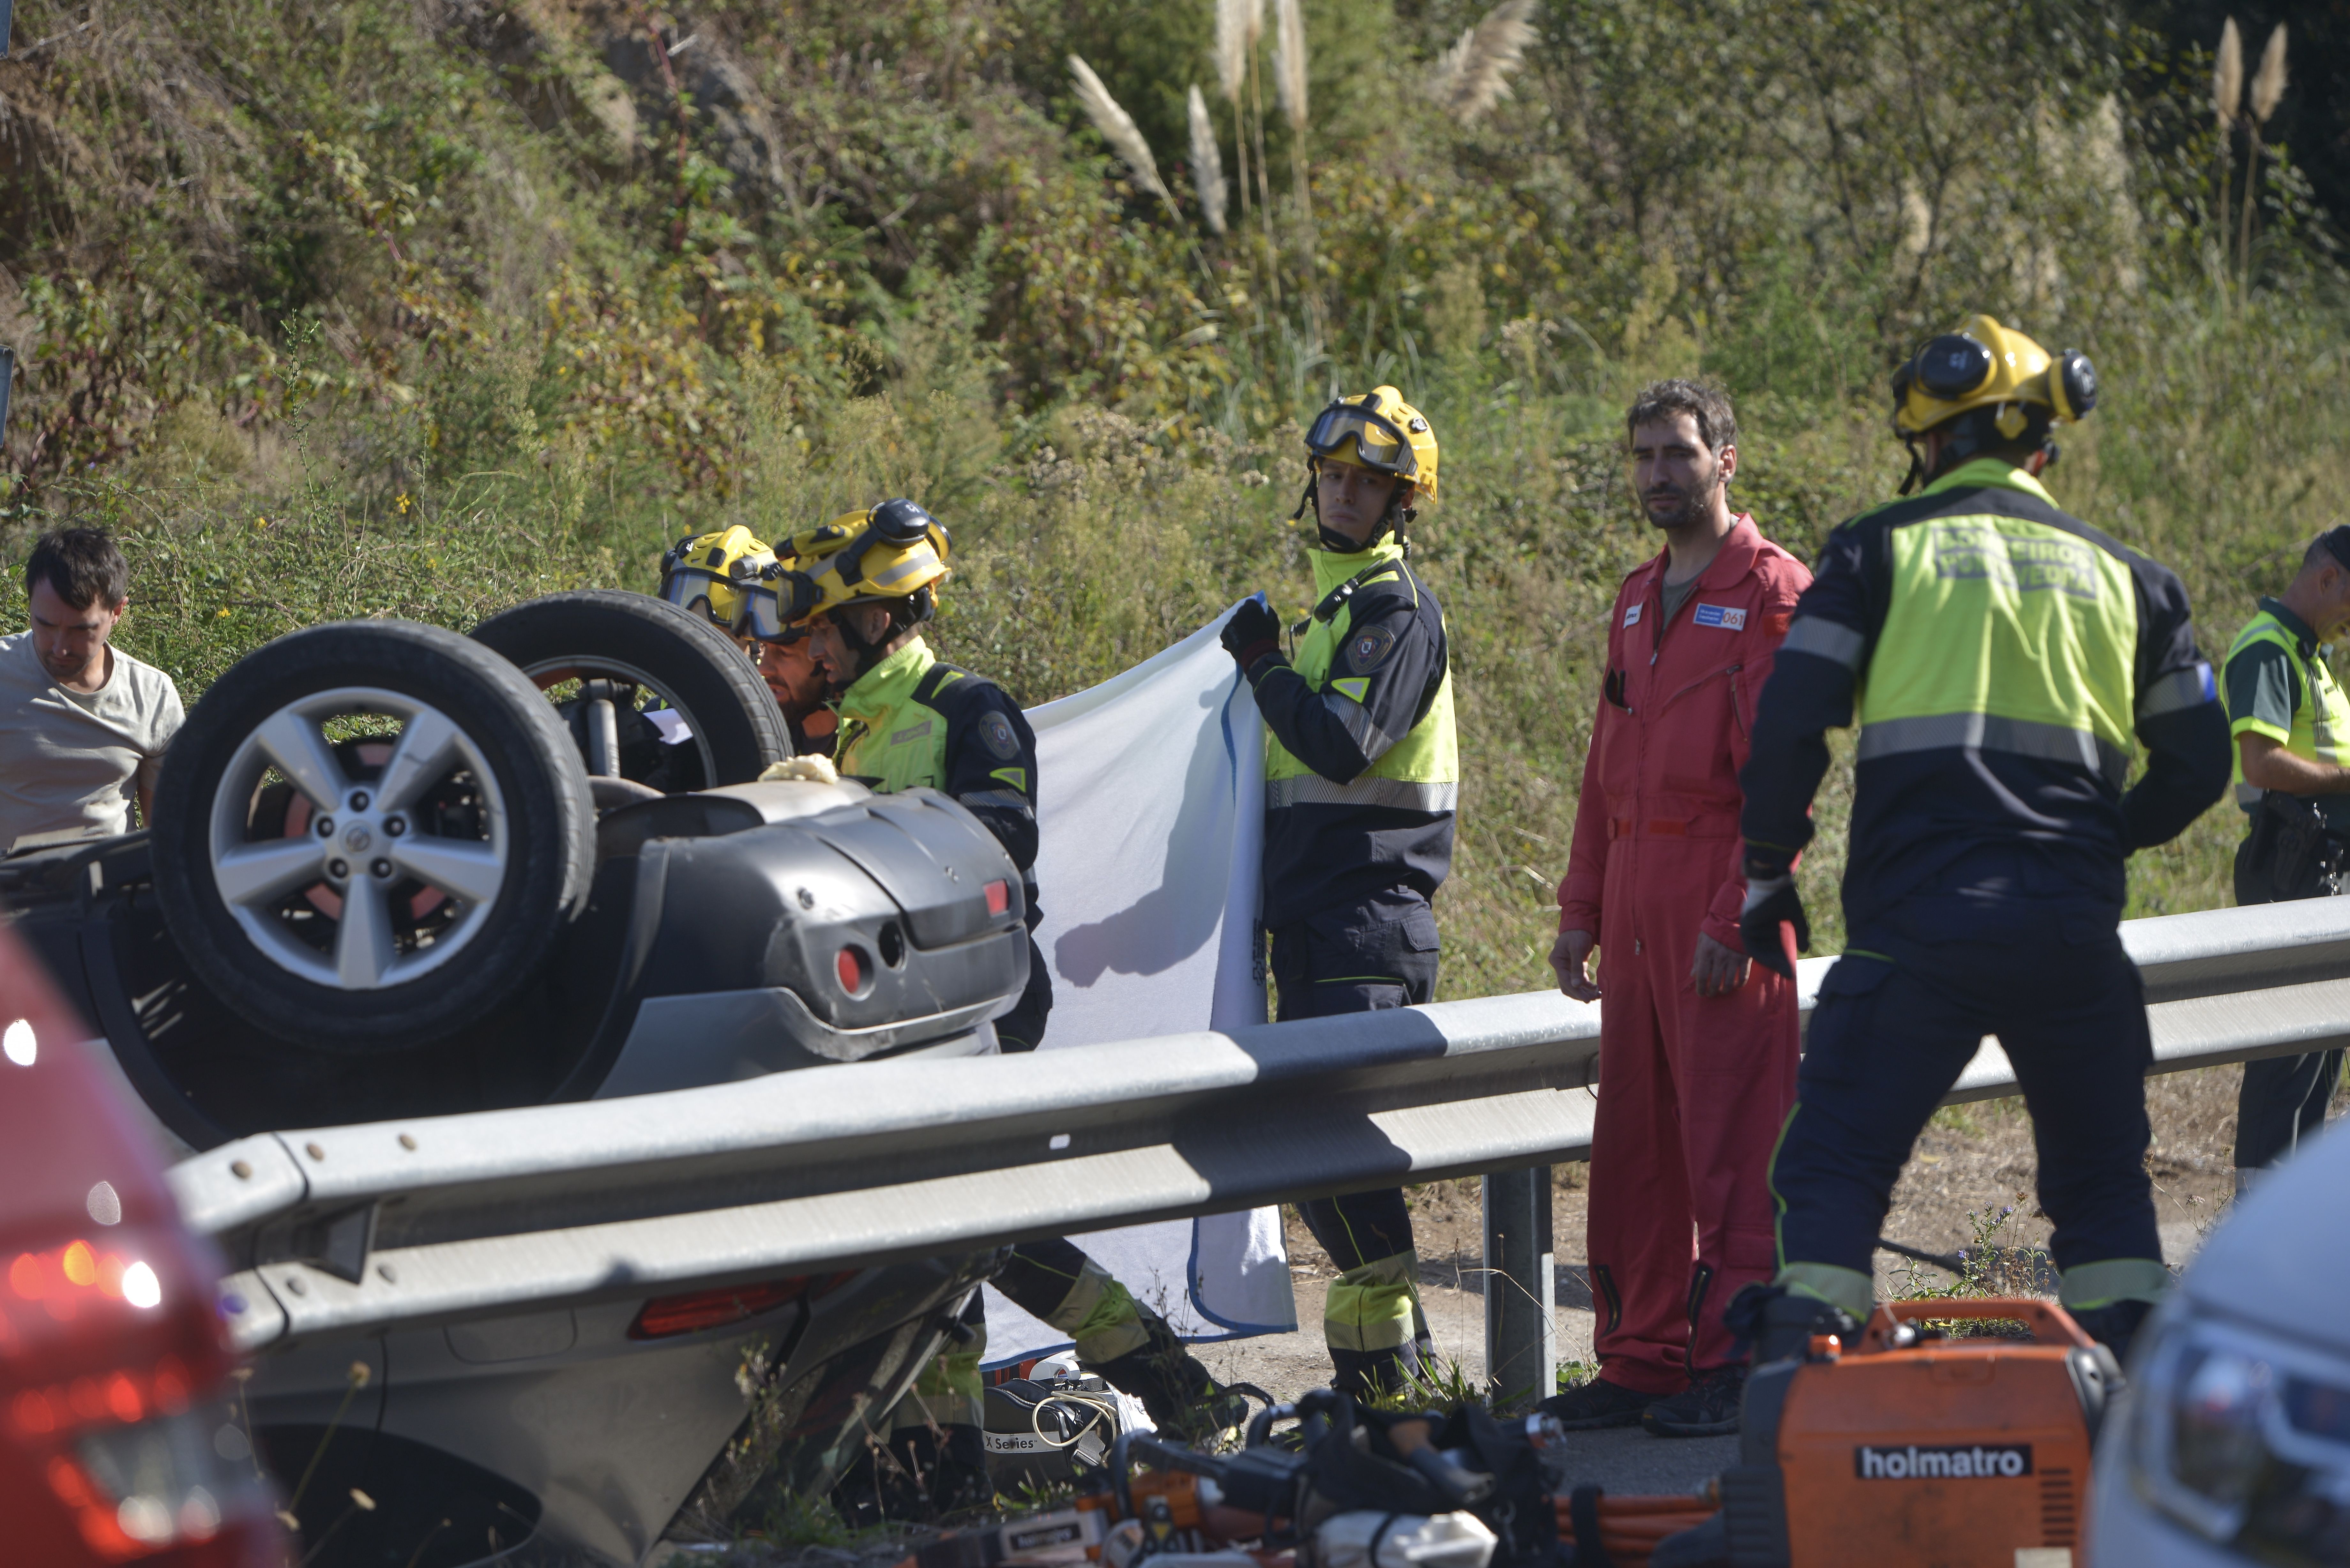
x: 356, y: 1230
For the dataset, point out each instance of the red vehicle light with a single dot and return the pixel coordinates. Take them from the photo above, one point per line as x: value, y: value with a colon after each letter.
x: 119, y: 1443
x: 850, y: 967
x: 999, y: 895
x: 697, y: 1310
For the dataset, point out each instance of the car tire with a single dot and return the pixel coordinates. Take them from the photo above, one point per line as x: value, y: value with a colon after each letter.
x: 691, y: 666
x: 403, y: 896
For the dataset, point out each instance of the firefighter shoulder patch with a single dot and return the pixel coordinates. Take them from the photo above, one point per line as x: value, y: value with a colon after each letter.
x: 995, y: 734
x: 1366, y: 647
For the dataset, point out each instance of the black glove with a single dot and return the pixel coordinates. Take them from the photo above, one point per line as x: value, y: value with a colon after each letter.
x: 1771, y: 905
x: 1252, y: 632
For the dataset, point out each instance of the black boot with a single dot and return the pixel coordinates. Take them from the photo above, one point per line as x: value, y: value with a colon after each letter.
x: 888, y: 1481
x: 2114, y: 1326
x: 961, y: 1480
x: 917, y: 1476
x: 1183, y: 1401
x: 1779, y: 1323
x: 1364, y: 1375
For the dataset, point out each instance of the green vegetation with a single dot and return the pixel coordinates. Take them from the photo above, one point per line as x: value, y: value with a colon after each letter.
x: 367, y: 306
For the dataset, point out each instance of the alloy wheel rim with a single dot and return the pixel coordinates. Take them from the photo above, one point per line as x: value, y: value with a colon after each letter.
x: 365, y: 840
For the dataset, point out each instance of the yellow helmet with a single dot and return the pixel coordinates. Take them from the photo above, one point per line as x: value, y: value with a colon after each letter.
x: 893, y: 551
x: 1983, y: 365
x: 1378, y: 430
x: 712, y: 575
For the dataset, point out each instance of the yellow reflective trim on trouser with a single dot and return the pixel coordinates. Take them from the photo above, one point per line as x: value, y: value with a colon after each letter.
x: 1101, y: 1317
x: 1847, y: 1290
x: 2111, y: 1279
x: 950, y: 1392
x: 1374, y: 1308
x: 1770, y: 1184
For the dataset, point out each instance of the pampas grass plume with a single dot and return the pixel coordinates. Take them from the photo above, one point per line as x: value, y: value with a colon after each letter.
x: 1239, y: 23
x: 1289, y: 60
x: 2228, y: 76
x: 1116, y: 127
x: 2268, y: 86
x: 1207, y: 163
x: 1471, y: 75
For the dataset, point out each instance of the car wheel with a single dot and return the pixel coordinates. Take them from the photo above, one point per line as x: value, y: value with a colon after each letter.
x: 636, y: 655
x: 371, y: 833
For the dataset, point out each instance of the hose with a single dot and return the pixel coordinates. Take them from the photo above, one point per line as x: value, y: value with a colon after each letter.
x: 1631, y: 1527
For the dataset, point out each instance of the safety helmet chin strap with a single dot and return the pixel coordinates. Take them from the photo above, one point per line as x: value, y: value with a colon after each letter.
x: 904, y: 616
x: 1393, y: 521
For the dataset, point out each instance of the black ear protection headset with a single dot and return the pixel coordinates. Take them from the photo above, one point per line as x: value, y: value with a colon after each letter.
x: 898, y: 522
x: 1956, y: 365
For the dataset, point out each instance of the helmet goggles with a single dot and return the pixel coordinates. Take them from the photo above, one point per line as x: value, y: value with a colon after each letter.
x: 710, y: 574
x: 1380, y: 446
x: 893, y: 551
x: 776, y: 608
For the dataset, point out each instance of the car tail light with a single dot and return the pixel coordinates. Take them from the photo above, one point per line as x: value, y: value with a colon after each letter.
x: 117, y: 1443
x: 137, y: 1490
x: 665, y: 1316
x: 850, y: 967
x: 999, y: 895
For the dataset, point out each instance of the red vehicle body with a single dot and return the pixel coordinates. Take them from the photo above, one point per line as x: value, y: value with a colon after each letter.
x: 119, y: 1437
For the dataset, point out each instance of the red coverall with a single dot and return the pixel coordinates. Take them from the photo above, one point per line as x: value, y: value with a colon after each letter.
x: 1692, y: 1090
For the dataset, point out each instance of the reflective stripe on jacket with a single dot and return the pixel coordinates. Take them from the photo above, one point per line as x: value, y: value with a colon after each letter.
x: 2320, y: 732
x: 2003, y: 657
x: 912, y: 720
x: 1362, y: 765
x: 2004, y: 631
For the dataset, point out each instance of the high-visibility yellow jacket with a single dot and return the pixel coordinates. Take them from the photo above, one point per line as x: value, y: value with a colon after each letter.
x: 1362, y: 767
x: 2276, y: 684
x: 2003, y: 657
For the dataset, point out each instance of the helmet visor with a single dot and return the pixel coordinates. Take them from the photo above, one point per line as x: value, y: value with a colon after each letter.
x: 776, y: 608
x: 692, y: 587
x: 761, y: 618
x: 1378, y: 443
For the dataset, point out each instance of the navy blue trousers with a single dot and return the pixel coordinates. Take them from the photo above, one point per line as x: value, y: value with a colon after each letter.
x: 1379, y: 954
x: 1900, y: 1016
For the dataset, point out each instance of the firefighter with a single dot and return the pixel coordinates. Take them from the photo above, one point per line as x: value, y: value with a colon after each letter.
x: 863, y: 585
x: 2002, y: 656
x: 1362, y: 774
x: 1697, y: 1049
x: 2291, y: 729
x: 728, y: 579
x: 800, y: 689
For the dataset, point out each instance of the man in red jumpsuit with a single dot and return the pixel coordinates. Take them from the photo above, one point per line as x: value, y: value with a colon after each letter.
x: 1697, y: 1045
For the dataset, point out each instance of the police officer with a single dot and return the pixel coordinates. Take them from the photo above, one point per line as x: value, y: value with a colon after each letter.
x: 2002, y: 655
x: 863, y: 585
x: 1362, y: 773
x: 2291, y: 729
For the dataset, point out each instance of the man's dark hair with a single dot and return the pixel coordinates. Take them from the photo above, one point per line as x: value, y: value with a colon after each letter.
x: 2329, y: 549
x: 1976, y: 435
x: 82, y: 564
x: 1709, y: 406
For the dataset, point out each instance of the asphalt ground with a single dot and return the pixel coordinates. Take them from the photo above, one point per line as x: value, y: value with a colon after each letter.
x: 1620, y: 1460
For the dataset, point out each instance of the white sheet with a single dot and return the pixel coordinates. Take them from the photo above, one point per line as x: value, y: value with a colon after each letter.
x: 1151, y: 810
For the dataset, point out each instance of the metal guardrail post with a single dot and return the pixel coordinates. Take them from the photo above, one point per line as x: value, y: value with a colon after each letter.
x: 1520, y: 1288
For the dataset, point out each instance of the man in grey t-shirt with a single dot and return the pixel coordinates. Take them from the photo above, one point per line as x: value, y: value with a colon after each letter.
x: 82, y: 723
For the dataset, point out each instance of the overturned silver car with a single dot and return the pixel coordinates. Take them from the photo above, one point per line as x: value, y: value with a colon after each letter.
x: 390, y: 878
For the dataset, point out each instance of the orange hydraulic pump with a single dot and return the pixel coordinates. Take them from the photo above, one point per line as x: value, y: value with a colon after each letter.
x: 1914, y: 1446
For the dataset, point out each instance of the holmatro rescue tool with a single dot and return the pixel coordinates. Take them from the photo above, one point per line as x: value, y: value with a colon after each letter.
x: 1910, y: 1447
